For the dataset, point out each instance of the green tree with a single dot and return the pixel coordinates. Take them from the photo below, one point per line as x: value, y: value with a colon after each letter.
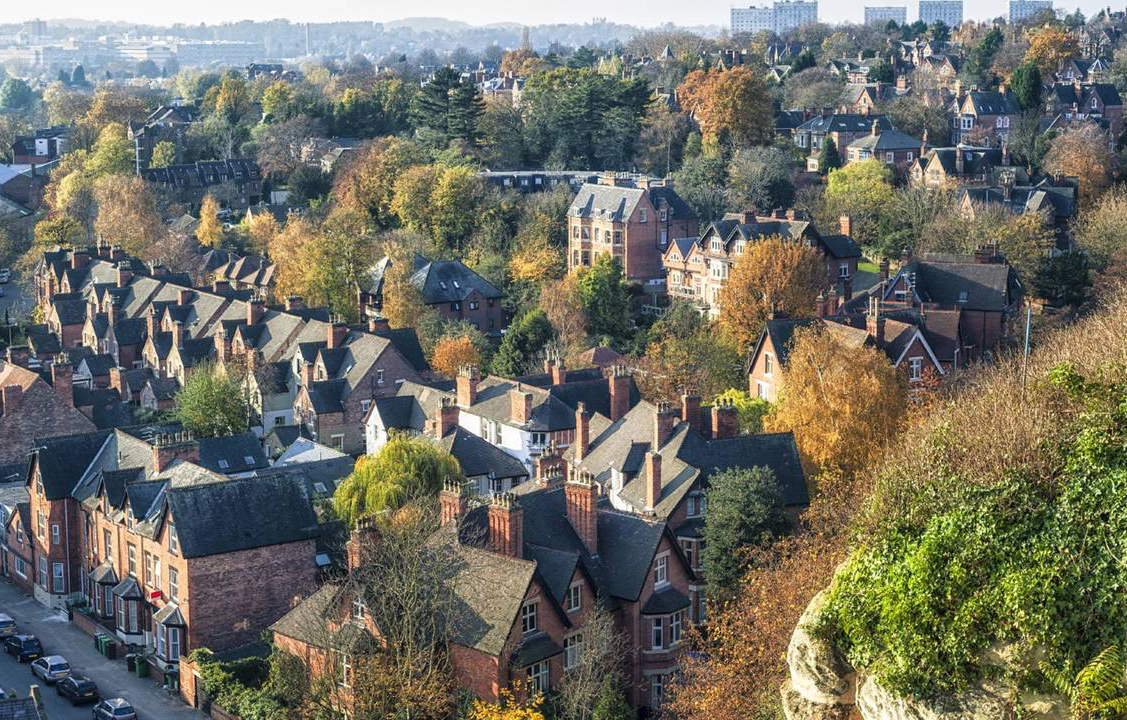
x: 405, y: 469
x: 750, y: 410
x: 862, y: 190
x: 828, y: 156
x: 760, y: 180
x: 1062, y: 279
x: 523, y: 341
x: 804, y: 61
x: 745, y: 509
x: 611, y: 703
x: 448, y: 107
x: 213, y: 402
x: 703, y: 183
x: 164, y: 154
x: 113, y: 154
x: 605, y: 299
x: 15, y: 94
x: 1026, y: 83
x: 78, y: 77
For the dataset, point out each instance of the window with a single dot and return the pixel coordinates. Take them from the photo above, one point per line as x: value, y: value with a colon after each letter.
x: 915, y: 368
x: 19, y: 532
x: 528, y: 618
x: 664, y: 215
x: 132, y: 553
x: 55, y: 533
x: 21, y: 567
x: 173, y: 583
x: 455, y: 306
x: 688, y: 547
x: 41, y: 525
x: 358, y: 608
x: 474, y: 305
x: 320, y: 488
x: 573, y: 650
x: 889, y: 158
x: 344, y: 665
x: 843, y: 270
x: 539, y: 439
x: 223, y: 464
x: 538, y: 677
x: 910, y: 156
x: 618, y: 237
x: 43, y: 572
x: 675, y: 621
x: 642, y: 217
x: 717, y: 245
x: 173, y: 538
x: 657, y: 690
x: 365, y: 405
x: 379, y: 376
x: 490, y: 431
x: 173, y: 643
x: 156, y: 573
x: 762, y: 390
x: 337, y: 442
x: 657, y: 633
x: 963, y: 296
x: 39, y: 483
x: 107, y: 540
x: 574, y: 597
x: 768, y: 364
x: 967, y: 122
x: 661, y: 570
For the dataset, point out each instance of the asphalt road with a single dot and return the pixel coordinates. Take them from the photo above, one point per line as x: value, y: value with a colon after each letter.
x: 60, y: 637
x: 17, y: 300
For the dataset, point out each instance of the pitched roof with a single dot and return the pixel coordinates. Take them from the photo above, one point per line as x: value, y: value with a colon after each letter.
x: 961, y: 282
x: 477, y: 457
x: 444, y: 281
x: 41, y: 412
x: 62, y: 460
x: 887, y: 141
x: 232, y: 453
x: 20, y: 708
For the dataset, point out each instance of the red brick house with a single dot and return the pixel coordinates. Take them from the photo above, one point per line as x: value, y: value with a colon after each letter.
x: 31, y: 409
x: 630, y: 218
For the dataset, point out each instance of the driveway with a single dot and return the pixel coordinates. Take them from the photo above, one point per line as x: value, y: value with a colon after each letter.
x: 59, y: 637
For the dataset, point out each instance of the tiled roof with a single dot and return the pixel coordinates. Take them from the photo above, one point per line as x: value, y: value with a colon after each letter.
x: 41, y: 412
x: 444, y: 281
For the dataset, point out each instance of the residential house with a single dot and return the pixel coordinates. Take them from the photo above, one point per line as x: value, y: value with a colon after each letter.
x: 1054, y: 198
x: 42, y: 146
x: 890, y: 147
x: 953, y: 166
x: 190, y: 183
x: 631, y: 218
x: 984, y: 117
x: 843, y: 128
x: 168, y: 123
x: 30, y: 409
x: 1079, y: 101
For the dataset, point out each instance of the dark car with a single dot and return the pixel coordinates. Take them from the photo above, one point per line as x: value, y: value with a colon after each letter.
x: 77, y: 689
x: 24, y: 647
x: 114, y: 709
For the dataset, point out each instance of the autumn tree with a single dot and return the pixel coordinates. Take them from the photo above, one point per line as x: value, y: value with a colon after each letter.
x: 405, y: 470
x: 731, y: 106
x: 164, y: 154
x: 210, y: 230
x: 112, y: 154
x: 774, y: 275
x: 1101, y: 231
x: 509, y: 706
x: 213, y: 402
x: 288, y: 251
x: 114, y: 106
x: 454, y: 352
x: 260, y: 229
x: 522, y: 62
x: 602, y: 291
x: 559, y: 299
x: 128, y: 213
x: 1082, y: 152
x: 862, y: 190
x: 1050, y: 46
x: 684, y: 352
x: 843, y: 404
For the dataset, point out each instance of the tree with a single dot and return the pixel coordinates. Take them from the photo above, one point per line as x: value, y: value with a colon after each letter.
x: 288, y: 251
x: 683, y: 352
x: 774, y: 275
x: 449, y: 107
x: 828, y: 157
x: 277, y: 101
x: 232, y: 103
x: 510, y: 706
x: 611, y: 703
x: 814, y: 88
x: 760, y: 180
x: 405, y: 470
x: 114, y: 105
x: 15, y: 94
x: 862, y: 190
x: 260, y: 229
x: 213, y: 402
x: 1027, y: 86
x: 1062, y: 279
x: 128, y: 213
x: 605, y: 299
x: 280, y: 143
x: 587, y: 691
x: 750, y: 410
x: 78, y: 77
x: 1101, y: 231
x: 702, y: 182
x: 210, y: 230
x: 334, y: 262
x: 804, y: 61
x: 113, y: 154
x: 308, y: 183
x: 1050, y: 47
x: 164, y: 154
x: 453, y: 353
x: 64, y: 105
x: 745, y: 509
x: 843, y: 404
x: 663, y: 137
x: 523, y: 342
x: 912, y: 116
x: 731, y: 106
x: 1082, y: 152
x: 559, y: 299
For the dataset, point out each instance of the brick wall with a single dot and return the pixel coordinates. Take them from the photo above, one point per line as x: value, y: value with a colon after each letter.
x: 758, y: 373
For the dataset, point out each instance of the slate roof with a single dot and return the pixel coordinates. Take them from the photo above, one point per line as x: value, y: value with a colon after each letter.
x: 887, y: 141
x: 307, y: 621
x: 665, y: 601
x: 62, y: 460
x: 234, y: 450
x: 445, y: 281
x: 477, y: 457
x: 548, y: 411
x: 19, y: 708
x: 988, y: 286
x: 992, y: 102
x: 70, y: 307
x: 845, y: 123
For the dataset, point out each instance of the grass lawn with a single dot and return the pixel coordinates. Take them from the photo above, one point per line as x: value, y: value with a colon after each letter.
x: 868, y: 274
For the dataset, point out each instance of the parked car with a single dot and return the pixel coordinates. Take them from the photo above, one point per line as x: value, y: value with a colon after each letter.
x: 5, y: 275
x: 24, y: 647
x: 114, y: 709
x: 77, y: 689
x: 51, y: 669
x: 7, y: 626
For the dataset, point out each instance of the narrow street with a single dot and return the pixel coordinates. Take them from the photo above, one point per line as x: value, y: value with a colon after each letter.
x: 59, y: 637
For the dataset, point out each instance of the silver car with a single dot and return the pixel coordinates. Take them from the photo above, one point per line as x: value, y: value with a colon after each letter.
x: 8, y: 626
x: 51, y: 668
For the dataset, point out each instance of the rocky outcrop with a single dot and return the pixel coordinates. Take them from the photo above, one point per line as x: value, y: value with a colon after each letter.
x: 822, y: 685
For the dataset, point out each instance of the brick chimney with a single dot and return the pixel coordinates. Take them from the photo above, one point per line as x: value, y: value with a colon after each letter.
x: 985, y: 254
x: 168, y: 447
x: 378, y: 324
x: 725, y: 420
x: 874, y: 320
x: 62, y: 379
x: 220, y: 286
x: 116, y: 253
x: 559, y: 372
x: 653, y: 480
x: 884, y: 269
x: 183, y: 296
x: 336, y: 334
x: 453, y: 502
x: 10, y: 397
x: 846, y: 223
x: 549, y: 465
x: 294, y: 302
x: 467, y: 386
x: 19, y: 355
x: 665, y: 419
x: 255, y: 311
x: 124, y: 274
x: 222, y: 344
x: 177, y: 334
x: 690, y: 409
x: 618, y: 377
x: 363, y: 535
x: 307, y: 374
x: 582, y: 431
x: 447, y: 418
x: 506, y: 525
x: 117, y: 382
x: 581, y: 497
x: 520, y: 405
x: 960, y: 160
x: 79, y: 258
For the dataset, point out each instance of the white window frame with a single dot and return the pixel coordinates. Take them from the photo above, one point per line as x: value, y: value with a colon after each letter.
x: 657, y: 633
x: 657, y: 690
x: 539, y: 677
x: 573, y: 650
x: 529, y: 622
x: 642, y: 215
x: 676, y: 621
x: 58, y: 575
x: 915, y: 368
x: 173, y: 584
x: 575, y: 597
x: 768, y: 364
x: 661, y: 570
x: 55, y: 534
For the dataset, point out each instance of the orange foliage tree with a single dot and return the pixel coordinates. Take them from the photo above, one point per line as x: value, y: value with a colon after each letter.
x: 1083, y: 152
x: 451, y: 353
x: 1050, y: 46
x: 729, y: 105
x: 773, y: 275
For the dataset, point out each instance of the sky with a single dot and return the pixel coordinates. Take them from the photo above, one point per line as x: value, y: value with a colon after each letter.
x: 645, y: 13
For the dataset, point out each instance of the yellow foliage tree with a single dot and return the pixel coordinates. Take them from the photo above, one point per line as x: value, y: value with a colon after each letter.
x: 261, y: 229
x: 1050, y: 46
x: 729, y: 105
x: 164, y: 154
x: 1082, y: 152
x: 210, y: 231
x: 114, y: 105
x: 510, y: 707
x: 535, y: 261
x: 452, y: 353
x: 774, y: 275
x: 288, y: 250
x: 843, y: 404
x: 367, y: 183
x: 559, y: 301
x: 128, y: 213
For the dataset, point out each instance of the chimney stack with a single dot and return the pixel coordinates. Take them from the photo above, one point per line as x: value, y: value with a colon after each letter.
x: 117, y: 382
x: 307, y: 374
x: 10, y: 397
x: 447, y: 418
x: 255, y: 310
x: 62, y: 379
x: 725, y: 420
x: 960, y: 160
x: 168, y: 447
x: 378, y: 324
x: 874, y: 321
x: 520, y: 405
x: 177, y: 334
x: 549, y: 466
x: 559, y: 372
x: 453, y: 502
x: 581, y: 497
x: 467, y: 386
x: 295, y: 302
x: 79, y: 257
x: 690, y: 409
x: 846, y: 224
x: 360, y: 539
x: 506, y: 525
x: 664, y: 421
x: 183, y: 296
x: 653, y: 480
x: 582, y: 431
x: 220, y: 286
x: 618, y: 377
x: 222, y: 344
x: 337, y: 332
x: 19, y: 355
x: 124, y: 274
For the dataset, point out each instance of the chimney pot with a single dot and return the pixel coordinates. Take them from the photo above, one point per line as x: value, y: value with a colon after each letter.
x: 581, y: 499
x: 653, y: 480
x: 506, y: 525
x: 337, y: 332
x: 467, y: 386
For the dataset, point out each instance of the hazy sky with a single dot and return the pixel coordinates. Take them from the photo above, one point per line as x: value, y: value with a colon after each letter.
x: 636, y: 12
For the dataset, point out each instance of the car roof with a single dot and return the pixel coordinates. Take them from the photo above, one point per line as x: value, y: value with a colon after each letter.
x: 5, y: 616
x: 25, y: 637
x: 54, y: 659
x: 118, y: 702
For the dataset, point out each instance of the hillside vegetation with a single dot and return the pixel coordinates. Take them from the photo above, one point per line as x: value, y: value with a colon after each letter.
x: 1000, y: 518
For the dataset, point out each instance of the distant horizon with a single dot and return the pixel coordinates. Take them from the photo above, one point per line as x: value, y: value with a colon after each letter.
x: 639, y: 13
